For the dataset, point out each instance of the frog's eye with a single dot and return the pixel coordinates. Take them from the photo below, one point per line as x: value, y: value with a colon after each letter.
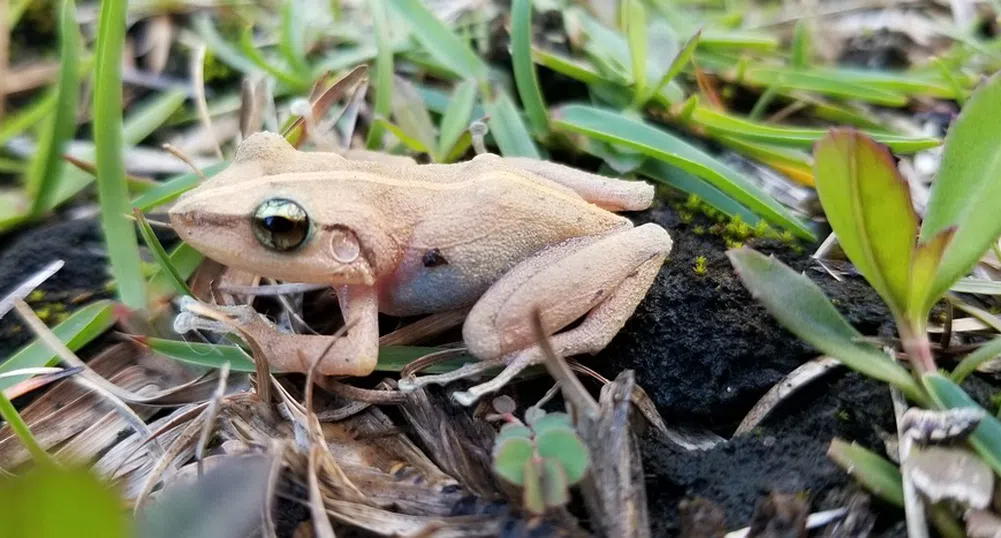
x: 280, y: 224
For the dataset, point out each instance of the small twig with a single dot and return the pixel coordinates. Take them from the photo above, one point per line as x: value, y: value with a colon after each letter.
x: 198, y: 81
x: 573, y: 390
x: 211, y: 412
x: 185, y: 159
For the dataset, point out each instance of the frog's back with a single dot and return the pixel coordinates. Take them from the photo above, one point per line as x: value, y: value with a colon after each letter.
x: 471, y: 236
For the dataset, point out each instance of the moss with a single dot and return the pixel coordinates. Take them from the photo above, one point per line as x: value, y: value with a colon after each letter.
x: 700, y: 265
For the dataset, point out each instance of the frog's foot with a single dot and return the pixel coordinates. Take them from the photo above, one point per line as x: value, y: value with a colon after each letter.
x: 408, y: 384
x: 600, y: 279
x: 354, y: 354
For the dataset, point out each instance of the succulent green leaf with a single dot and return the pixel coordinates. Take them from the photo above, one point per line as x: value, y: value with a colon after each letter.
x: 927, y: 256
x: 986, y: 439
x: 868, y: 204
x: 555, y: 488
x: 513, y: 431
x: 564, y: 445
x: 532, y: 494
x: 549, y: 421
x: 510, y: 458
x: 966, y: 191
x: 801, y: 307
x: 879, y: 476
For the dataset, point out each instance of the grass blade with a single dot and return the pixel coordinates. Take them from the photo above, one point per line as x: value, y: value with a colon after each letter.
x: 508, y: 129
x: 439, y: 41
x: 383, y: 72
x: 160, y: 255
x: 79, y: 329
x: 525, y: 77
x: 48, y: 163
x: 977, y: 285
x: 878, y: 475
x: 456, y: 118
x: 799, y: 305
x: 20, y: 428
x: 167, y: 191
x: 120, y: 236
x: 612, y: 127
x: 634, y: 19
x: 970, y: 362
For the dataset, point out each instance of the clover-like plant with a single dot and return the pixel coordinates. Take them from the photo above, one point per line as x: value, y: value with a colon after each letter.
x: 542, y: 456
x: 910, y: 264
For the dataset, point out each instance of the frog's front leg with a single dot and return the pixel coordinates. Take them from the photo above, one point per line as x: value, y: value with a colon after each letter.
x: 602, y: 279
x: 354, y: 354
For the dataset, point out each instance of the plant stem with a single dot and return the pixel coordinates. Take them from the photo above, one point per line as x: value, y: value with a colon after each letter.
x: 914, y: 340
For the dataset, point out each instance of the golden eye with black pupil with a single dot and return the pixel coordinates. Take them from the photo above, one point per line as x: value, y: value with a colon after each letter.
x: 280, y: 224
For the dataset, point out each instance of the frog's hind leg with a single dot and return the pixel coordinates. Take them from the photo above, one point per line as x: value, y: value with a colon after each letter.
x: 606, y: 192
x: 601, y: 279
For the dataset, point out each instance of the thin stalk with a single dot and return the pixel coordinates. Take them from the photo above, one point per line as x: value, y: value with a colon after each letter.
x: 914, y: 340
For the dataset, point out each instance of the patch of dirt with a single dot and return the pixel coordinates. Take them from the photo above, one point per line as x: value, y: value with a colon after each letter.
x: 702, y: 347
x: 83, y: 278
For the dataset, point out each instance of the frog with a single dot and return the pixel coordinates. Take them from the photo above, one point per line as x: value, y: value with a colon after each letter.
x: 505, y: 238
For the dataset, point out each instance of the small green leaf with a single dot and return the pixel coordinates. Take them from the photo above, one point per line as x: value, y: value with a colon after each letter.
x: 555, y: 489
x: 411, y: 115
x: 551, y: 420
x: 513, y: 431
x: 168, y: 190
x: 510, y: 457
x: 51, y: 501
x: 563, y: 445
x: 613, y: 127
x: 868, y: 204
x: 456, y: 119
x: 927, y: 257
x: 82, y: 327
x: 969, y: 364
x: 439, y: 41
x: 525, y: 77
x: 986, y: 439
x: 879, y: 476
x: 968, y: 185
x: 507, y: 128
x: 799, y: 305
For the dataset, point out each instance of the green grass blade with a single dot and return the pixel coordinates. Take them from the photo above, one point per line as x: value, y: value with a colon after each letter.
x: 26, y: 117
x: 986, y: 439
x: 634, y: 19
x: 250, y: 51
x: 826, y: 84
x: 292, y: 43
x: 616, y: 128
x: 169, y: 190
x: 21, y: 430
x: 160, y: 255
x: 120, y: 236
x: 720, y: 123
x: 688, y: 183
x: 440, y: 42
x: 969, y: 364
x: 383, y: 71
x: 79, y: 329
x: 878, y: 475
x: 456, y: 119
x: 411, y: 142
x: 219, y: 46
x: 525, y: 77
x: 508, y: 129
x: 48, y: 163
x: 801, y: 307
x: 185, y: 260
x: 679, y: 63
x: 801, y: 46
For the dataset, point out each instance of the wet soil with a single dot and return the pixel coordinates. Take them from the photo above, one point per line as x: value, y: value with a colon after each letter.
x: 700, y: 346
